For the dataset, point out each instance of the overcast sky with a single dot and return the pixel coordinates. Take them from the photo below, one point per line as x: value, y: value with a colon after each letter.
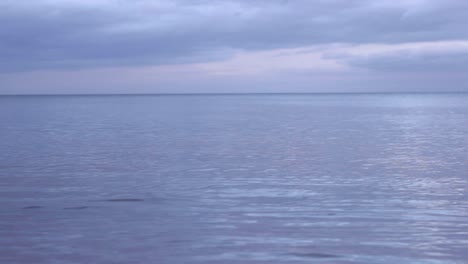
x: 176, y: 46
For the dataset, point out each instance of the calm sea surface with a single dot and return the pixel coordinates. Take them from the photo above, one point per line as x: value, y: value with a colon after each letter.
x: 234, y: 179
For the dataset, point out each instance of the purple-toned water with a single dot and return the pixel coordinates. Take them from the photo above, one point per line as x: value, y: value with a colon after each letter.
x: 234, y: 179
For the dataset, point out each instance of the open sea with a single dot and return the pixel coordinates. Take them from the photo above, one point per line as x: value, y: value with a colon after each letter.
x: 280, y: 178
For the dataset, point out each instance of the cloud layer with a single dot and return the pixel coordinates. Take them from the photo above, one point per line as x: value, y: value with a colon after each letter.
x: 225, y: 37
x: 57, y: 34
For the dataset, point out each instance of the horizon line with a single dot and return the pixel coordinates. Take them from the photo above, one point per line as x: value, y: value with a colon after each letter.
x: 232, y: 93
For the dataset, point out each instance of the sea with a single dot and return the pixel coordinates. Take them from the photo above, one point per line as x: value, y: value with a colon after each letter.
x: 234, y: 178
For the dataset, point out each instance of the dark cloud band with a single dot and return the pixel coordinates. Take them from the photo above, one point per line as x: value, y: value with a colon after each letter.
x: 82, y: 34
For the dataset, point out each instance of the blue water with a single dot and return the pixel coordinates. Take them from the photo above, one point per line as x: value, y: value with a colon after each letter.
x: 234, y: 179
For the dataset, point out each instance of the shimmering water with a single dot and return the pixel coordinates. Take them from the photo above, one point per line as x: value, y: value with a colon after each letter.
x: 234, y: 179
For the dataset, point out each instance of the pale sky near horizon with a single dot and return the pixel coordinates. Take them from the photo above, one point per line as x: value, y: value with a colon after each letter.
x: 218, y: 46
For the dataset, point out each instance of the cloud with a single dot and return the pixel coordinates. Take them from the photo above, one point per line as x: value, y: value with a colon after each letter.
x: 442, y: 56
x: 59, y: 34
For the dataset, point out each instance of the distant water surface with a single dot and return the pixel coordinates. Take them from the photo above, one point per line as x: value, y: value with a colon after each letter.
x: 362, y: 178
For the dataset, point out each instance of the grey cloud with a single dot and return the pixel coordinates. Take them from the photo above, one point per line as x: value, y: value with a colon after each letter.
x: 61, y: 35
x: 408, y: 60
